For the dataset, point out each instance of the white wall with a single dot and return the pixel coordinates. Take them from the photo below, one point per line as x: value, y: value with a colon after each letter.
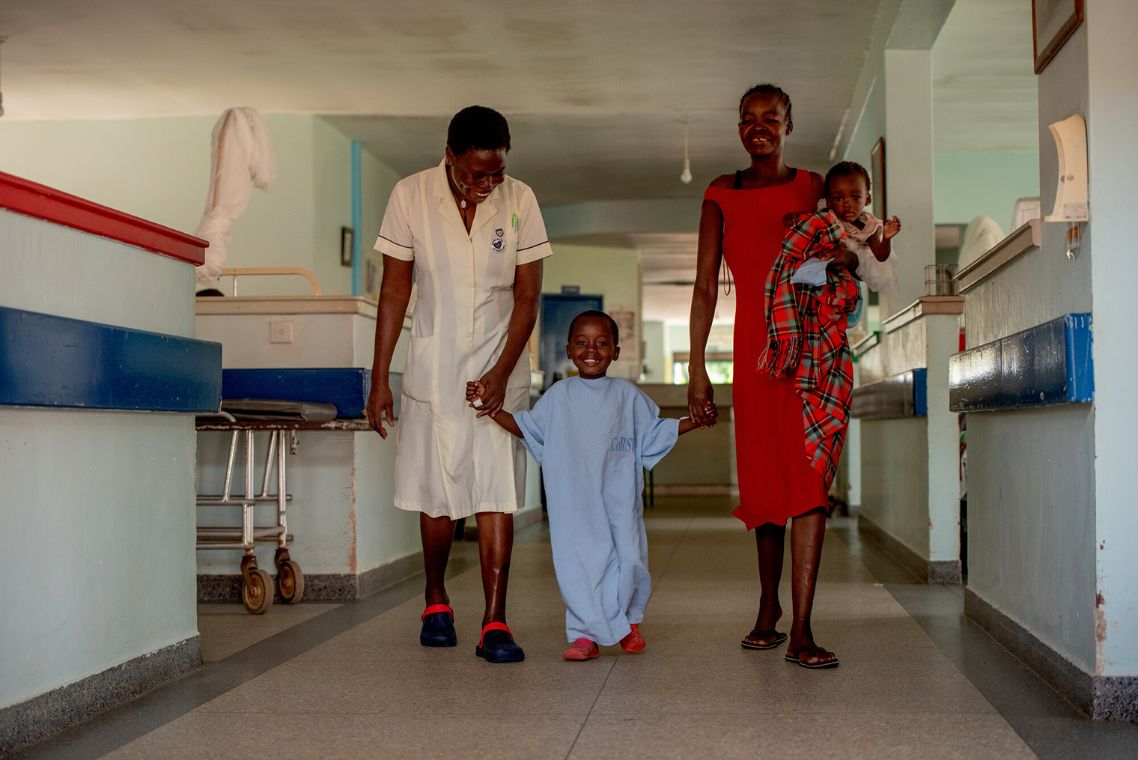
x: 97, y: 507
x: 894, y: 488
x: 1031, y: 522
x: 655, y: 361
x: 870, y: 124
x: 611, y: 272
x: 1112, y: 57
x: 1031, y: 485
x: 158, y: 169
x: 376, y: 182
x: 330, y: 202
x: 909, y: 170
x: 909, y: 485
x: 968, y: 184
x: 677, y: 340
x: 898, y: 107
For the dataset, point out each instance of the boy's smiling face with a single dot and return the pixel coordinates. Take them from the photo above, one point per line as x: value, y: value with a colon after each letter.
x: 591, y: 347
x: 847, y: 197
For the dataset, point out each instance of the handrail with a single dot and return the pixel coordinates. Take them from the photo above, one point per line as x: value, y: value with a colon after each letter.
x: 924, y: 306
x: 1027, y: 237
x: 308, y: 274
x: 32, y: 199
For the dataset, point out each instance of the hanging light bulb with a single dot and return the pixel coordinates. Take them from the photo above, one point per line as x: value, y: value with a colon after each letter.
x: 685, y: 175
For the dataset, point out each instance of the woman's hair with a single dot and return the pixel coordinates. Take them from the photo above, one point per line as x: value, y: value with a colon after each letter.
x: 768, y: 89
x: 595, y: 314
x: 478, y: 128
x: 847, y: 169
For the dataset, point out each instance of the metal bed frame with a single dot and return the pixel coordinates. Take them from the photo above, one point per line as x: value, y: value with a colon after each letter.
x: 257, y: 586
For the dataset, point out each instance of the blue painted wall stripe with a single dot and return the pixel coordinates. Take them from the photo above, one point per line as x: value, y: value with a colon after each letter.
x: 1047, y: 364
x: 898, y: 397
x: 346, y: 387
x: 921, y: 392
x: 47, y: 360
x: 1080, y: 363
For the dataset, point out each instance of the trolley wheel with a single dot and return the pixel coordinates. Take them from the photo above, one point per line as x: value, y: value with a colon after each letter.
x: 257, y: 591
x: 290, y: 582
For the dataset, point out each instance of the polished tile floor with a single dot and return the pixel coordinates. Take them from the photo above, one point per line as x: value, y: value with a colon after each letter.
x: 350, y: 680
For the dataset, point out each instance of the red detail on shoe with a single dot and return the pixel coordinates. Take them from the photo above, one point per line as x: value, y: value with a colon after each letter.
x: 582, y: 649
x: 435, y: 608
x: 634, y: 641
x: 494, y: 626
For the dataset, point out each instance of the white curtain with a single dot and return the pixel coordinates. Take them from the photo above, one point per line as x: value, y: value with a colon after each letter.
x: 241, y: 159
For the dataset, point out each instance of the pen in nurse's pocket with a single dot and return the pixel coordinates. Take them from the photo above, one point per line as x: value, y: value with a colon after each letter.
x: 514, y: 222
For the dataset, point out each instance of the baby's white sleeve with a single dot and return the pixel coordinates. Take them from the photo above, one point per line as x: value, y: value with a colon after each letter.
x: 880, y: 276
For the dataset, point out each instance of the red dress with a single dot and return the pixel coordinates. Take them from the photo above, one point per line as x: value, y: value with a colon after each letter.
x: 776, y: 481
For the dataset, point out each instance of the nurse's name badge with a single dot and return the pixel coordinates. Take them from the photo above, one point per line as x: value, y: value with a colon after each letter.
x: 498, y: 244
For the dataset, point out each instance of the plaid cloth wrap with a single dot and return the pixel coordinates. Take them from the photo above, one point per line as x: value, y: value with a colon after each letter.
x: 806, y: 334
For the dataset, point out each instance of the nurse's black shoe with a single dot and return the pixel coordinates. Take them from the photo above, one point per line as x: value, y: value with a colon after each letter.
x: 438, y: 627
x: 497, y: 644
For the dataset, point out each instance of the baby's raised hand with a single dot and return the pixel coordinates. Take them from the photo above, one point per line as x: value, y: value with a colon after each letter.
x: 890, y: 228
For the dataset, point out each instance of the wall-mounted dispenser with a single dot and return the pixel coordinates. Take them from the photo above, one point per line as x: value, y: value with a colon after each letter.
x: 1071, y: 193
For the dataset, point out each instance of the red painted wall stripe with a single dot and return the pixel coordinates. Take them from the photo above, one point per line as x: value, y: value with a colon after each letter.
x: 32, y: 199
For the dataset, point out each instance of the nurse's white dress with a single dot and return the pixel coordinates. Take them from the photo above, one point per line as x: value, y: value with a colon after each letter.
x: 448, y: 462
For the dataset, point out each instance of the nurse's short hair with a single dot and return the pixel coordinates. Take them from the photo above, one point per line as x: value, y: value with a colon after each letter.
x: 595, y: 314
x: 478, y: 128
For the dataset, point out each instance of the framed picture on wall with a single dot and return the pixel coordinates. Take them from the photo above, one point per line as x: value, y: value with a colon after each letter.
x: 1052, y: 23
x: 877, y: 177
x: 347, y: 244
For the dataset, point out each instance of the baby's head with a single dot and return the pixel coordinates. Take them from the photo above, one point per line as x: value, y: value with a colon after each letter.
x: 847, y: 190
x: 594, y: 343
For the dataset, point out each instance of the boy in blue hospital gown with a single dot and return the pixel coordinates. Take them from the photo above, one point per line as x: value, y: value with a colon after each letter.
x: 593, y: 436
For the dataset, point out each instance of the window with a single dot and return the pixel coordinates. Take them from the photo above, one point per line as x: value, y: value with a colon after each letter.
x: 720, y: 368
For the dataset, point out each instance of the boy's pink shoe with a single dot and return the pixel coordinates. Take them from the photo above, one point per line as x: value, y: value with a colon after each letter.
x: 634, y: 642
x: 582, y: 649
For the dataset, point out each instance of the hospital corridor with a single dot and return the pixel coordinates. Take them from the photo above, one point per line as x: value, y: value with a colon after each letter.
x: 350, y: 680
x: 719, y: 379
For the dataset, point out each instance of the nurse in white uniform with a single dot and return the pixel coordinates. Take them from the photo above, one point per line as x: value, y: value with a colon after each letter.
x: 472, y: 239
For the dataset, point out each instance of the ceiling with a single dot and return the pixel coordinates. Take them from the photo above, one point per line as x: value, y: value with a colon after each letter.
x: 985, y: 95
x: 598, y: 92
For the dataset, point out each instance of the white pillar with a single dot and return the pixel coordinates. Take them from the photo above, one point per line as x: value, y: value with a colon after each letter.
x: 909, y: 169
x: 1112, y: 63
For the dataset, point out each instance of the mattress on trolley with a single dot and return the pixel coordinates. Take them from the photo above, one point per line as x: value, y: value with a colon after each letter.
x: 346, y: 388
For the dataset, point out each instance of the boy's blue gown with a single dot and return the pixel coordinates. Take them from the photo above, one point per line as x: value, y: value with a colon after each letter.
x: 593, y: 439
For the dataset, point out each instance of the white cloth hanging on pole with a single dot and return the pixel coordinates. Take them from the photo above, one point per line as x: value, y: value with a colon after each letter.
x: 241, y: 159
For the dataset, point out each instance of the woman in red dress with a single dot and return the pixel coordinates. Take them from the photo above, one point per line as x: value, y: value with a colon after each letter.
x: 743, y: 220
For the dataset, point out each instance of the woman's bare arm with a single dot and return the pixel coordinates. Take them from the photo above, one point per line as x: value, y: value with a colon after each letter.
x: 527, y: 292
x: 394, y: 294
x: 705, y: 294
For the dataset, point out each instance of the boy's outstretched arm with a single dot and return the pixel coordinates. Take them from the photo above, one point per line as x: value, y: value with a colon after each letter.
x: 504, y: 419
x: 507, y: 422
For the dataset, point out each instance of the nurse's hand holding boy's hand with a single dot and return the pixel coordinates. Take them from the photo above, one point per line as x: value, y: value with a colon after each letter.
x: 380, y: 406
x: 491, y: 392
x: 474, y: 394
x: 711, y: 414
